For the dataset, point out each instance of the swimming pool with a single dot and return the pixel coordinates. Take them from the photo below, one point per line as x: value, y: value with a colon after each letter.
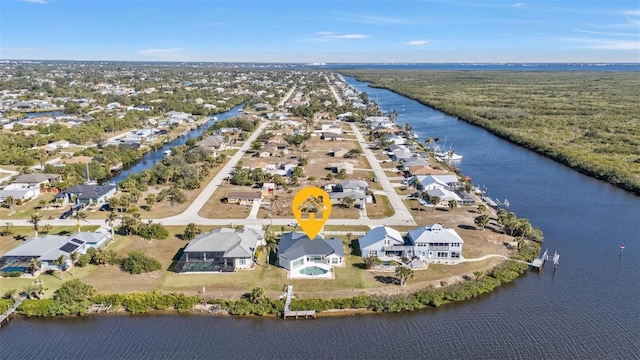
x: 313, y: 270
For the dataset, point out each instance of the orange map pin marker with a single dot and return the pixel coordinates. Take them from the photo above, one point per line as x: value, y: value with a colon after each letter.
x: 311, y: 206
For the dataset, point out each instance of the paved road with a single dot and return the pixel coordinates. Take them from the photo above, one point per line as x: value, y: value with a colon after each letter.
x: 402, y: 215
x: 191, y: 213
x: 333, y: 90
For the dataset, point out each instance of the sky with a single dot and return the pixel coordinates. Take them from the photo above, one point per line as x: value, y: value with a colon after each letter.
x: 330, y: 31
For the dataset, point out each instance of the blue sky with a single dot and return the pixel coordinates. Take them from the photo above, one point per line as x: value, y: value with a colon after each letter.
x: 322, y: 30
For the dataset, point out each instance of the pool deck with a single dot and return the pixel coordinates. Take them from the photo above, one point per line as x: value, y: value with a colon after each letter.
x: 297, y: 274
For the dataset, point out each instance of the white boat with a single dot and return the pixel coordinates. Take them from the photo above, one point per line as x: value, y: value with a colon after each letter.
x: 166, y: 152
x: 447, y: 156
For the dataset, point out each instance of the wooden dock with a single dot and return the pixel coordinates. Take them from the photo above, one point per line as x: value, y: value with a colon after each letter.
x: 539, y: 262
x: 288, y: 313
x: 5, y: 316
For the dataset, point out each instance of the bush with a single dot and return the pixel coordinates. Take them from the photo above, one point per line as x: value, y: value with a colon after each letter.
x: 12, y: 274
x: 153, y: 231
x: 138, y: 263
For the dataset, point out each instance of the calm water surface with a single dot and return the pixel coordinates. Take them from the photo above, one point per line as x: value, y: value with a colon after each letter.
x: 588, y: 309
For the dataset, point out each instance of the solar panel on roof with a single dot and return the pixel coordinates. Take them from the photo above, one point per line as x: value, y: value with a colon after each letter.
x: 69, y: 247
x: 77, y: 241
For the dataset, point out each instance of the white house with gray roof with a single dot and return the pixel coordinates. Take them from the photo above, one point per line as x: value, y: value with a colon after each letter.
x: 384, y: 242
x: 221, y: 250
x: 436, y: 242
x: 297, y: 252
x: 48, y: 248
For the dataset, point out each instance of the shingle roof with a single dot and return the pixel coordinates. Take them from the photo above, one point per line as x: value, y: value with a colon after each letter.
x: 234, y: 243
x: 381, y: 233
x: 34, y: 178
x: 85, y: 191
x: 295, y: 244
x: 435, y: 233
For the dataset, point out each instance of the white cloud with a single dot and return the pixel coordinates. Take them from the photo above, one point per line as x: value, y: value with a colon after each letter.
x: 416, y: 43
x: 331, y: 36
x: 631, y: 12
x: 606, y: 33
x: 520, y: 4
x: 36, y: 1
x: 375, y: 20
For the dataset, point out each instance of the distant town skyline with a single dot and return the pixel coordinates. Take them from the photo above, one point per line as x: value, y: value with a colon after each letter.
x: 308, y: 31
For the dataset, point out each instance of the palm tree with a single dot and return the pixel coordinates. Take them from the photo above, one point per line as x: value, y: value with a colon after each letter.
x: 257, y: 295
x: 42, y: 203
x: 74, y: 257
x: 80, y: 215
x: 59, y: 262
x: 403, y: 273
x: 429, y: 141
x: 111, y: 218
x: 481, y: 220
x: 8, y: 229
x: 482, y: 208
x: 34, y: 265
x: 272, y: 245
x: 35, y: 220
x: 477, y: 274
x: 452, y: 204
x: 8, y: 202
x: 46, y: 229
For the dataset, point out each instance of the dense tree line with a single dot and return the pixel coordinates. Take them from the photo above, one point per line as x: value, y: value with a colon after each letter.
x: 586, y: 120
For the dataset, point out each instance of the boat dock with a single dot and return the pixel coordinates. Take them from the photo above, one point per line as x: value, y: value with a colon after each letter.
x: 539, y: 262
x: 11, y: 310
x: 489, y: 201
x: 288, y: 313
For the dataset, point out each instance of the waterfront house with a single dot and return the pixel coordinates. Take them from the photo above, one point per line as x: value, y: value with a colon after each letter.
x: 446, y: 181
x: 88, y: 193
x: 48, y: 248
x: 384, y: 242
x: 213, y: 143
x: 296, y: 251
x: 221, y: 250
x: 436, y: 242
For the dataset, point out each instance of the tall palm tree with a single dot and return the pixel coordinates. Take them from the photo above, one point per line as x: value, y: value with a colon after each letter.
x: 35, y: 220
x: 80, y: 215
x: 272, y: 245
x: 452, y: 204
x: 403, y: 273
x: 59, y: 262
x: 74, y: 257
x: 111, y: 218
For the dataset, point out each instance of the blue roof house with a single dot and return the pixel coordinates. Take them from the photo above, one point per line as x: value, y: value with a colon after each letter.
x: 305, y: 258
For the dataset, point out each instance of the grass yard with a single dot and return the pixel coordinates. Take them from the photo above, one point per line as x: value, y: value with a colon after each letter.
x: 215, y: 208
x: 381, y: 209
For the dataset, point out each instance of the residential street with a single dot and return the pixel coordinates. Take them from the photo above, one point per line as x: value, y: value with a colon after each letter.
x: 402, y: 215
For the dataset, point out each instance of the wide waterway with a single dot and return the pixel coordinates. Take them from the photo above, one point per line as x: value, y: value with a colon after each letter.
x: 589, y: 308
